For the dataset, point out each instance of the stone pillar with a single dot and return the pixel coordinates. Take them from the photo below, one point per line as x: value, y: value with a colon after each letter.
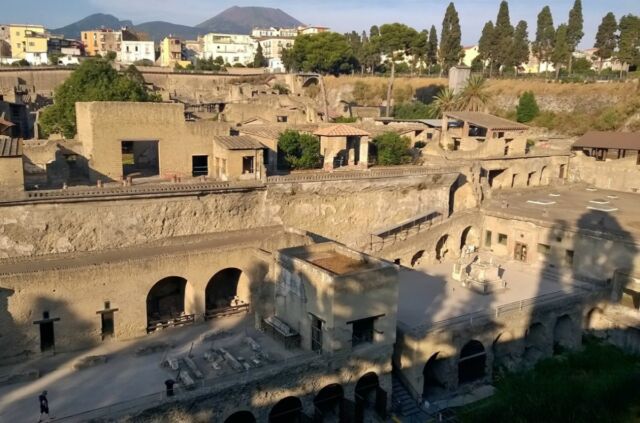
x: 364, y: 153
x: 352, y: 156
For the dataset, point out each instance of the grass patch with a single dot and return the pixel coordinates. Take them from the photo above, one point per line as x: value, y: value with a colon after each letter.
x: 598, y: 384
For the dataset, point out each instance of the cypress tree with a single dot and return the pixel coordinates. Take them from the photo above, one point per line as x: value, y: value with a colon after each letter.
x: 561, y: 49
x: 606, y: 37
x: 520, y: 46
x: 527, y: 108
x: 485, y: 46
x: 432, y: 47
x: 450, y: 48
x: 575, y: 28
x: 503, y: 37
x: 259, y: 61
x: 545, y: 36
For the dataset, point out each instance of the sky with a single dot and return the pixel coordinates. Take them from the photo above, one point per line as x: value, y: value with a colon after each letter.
x: 339, y: 15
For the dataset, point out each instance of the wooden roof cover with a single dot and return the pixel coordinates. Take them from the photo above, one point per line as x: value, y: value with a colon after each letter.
x: 341, y: 131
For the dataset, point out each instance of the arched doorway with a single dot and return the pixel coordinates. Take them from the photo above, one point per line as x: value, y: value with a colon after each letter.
x: 241, y: 417
x: 416, y: 258
x: 433, y: 377
x: 469, y: 236
x: 535, y: 344
x: 329, y: 403
x: 227, y: 292
x: 442, y: 248
x: 472, y: 361
x: 287, y: 410
x: 370, y: 396
x: 596, y: 323
x: 564, y: 334
x: 165, y: 302
x: 544, y: 176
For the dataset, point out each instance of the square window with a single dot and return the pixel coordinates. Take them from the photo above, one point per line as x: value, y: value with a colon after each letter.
x: 502, y: 239
x: 568, y: 257
x: 544, y: 249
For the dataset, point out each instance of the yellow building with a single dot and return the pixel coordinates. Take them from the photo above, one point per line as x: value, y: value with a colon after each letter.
x: 29, y: 42
x: 170, y: 51
x: 101, y: 41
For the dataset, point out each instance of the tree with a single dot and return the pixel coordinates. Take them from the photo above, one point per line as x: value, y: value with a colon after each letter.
x: 374, y: 31
x: 412, y: 110
x: 575, y: 29
x: 629, y: 42
x: 561, y: 49
x: 474, y: 97
x: 527, y: 108
x: 259, y: 61
x: 485, y: 45
x: 503, y: 37
x: 444, y: 101
x: 606, y: 38
x: 418, y: 51
x: 325, y: 53
x: 432, y: 48
x: 395, y: 42
x: 301, y: 151
x: 451, y: 50
x: 545, y: 36
x: 520, y: 45
x: 392, y: 149
x: 93, y: 80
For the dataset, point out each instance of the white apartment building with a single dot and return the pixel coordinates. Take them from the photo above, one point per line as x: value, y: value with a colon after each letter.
x: 133, y: 51
x: 233, y: 48
x: 274, y: 32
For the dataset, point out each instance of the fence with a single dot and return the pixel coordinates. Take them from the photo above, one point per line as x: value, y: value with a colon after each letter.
x: 360, y: 174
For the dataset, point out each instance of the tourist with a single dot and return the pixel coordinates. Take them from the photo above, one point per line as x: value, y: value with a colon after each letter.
x: 44, y: 405
x: 169, y: 384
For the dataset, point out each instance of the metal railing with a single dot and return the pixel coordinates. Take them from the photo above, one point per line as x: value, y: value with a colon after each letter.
x: 361, y: 174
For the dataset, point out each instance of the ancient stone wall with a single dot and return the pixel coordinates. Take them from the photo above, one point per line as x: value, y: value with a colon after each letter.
x: 620, y: 175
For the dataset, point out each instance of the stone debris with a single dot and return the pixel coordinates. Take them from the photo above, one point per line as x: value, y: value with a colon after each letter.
x: 194, y: 368
x: 89, y: 361
x: 152, y: 348
x: 171, y: 362
x: 186, y: 380
x: 233, y: 362
x: 22, y: 376
x: 214, y: 335
x: 253, y: 344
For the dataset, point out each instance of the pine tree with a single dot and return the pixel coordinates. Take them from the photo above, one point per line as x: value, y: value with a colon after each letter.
x: 395, y: 42
x: 450, y: 48
x: 374, y: 31
x: 545, y: 36
x: 520, y: 46
x: 561, y: 49
x: 629, y: 42
x: 432, y: 48
x: 575, y: 29
x: 606, y: 37
x: 259, y: 61
x: 503, y: 37
x: 418, y: 50
x: 527, y: 108
x: 485, y: 45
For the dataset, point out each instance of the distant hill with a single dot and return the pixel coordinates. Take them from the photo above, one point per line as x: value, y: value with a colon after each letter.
x: 241, y: 20
x: 95, y: 21
x: 235, y: 20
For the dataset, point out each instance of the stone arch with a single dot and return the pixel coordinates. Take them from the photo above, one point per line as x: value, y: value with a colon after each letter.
x: 536, y: 343
x: 165, y: 300
x: 328, y: 401
x: 434, y: 376
x: 416, y: 258
x: 544, y: 175
x: 241, y: 417
x: 310, y: 80
x: 228, y: 287
x: 595, y: 322
x: 469, y: 236
x: 287, y: 410
x: 442, y: 247
x: 462, y: 197
x: 370, y: 399
x: 532, y: 179
x: 472, y: 362
x: 564, y: 333
x: 366, y: 387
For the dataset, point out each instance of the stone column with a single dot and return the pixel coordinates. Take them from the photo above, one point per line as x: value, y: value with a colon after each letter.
x: 364, y: 153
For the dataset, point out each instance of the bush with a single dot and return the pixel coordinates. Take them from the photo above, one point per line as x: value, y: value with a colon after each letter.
x: 281, y: 88
x: 299, y: 151
x: 527, y: 108
x: 412, y: 110
x: 392, y: 149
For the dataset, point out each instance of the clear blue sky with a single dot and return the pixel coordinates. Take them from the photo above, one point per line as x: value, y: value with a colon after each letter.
x: 340, y: 15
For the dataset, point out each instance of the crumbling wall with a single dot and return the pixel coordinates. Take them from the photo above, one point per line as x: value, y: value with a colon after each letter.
x: 620, y: 175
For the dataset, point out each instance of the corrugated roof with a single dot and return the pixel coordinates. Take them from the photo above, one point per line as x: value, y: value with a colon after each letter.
x: 341, y: 131
x: 488, y: 121
x: 620, y: 140
x: 10, y: 147
x: 239, y: 142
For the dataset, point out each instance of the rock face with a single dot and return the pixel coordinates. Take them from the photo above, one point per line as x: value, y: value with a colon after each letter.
x: 343, y: 210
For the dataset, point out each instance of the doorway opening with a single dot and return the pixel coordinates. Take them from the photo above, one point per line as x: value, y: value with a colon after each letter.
x: 199, y: 165
x: 140, y: 158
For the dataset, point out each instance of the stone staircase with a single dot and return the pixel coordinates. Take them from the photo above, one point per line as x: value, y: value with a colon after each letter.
x: 405, y: 407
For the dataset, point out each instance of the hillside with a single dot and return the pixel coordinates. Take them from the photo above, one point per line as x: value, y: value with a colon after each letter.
x: 157, y: 30
x: 241, y: 20
x: 97, y: 20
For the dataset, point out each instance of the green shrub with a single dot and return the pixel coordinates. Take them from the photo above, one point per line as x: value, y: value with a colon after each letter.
x: 412, y: 110
x: 392, y: 149
x: 281, y: 88
x: 527, y: 108
x: 299, y: 151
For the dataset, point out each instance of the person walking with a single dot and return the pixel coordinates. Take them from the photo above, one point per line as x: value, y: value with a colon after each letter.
x: 44, y: 405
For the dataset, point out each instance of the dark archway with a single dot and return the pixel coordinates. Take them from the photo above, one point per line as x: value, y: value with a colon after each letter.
x: 471, y: 365
x: 165, y: 300
x: 469, y: 236
x: 564, y: 334
x: 328, y: 402
x: 241, y: 417
x: 229, y: 288
x: 310, y: 80
x: 416, y: 257
x: 432, y: 376
x: 287, y: 410
x: 441, y: 247
x: 370, y: 396
x: 535, y: 342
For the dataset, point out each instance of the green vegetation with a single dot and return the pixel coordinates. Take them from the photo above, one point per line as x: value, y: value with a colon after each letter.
x: 326, y: 53
x: 93, y: 80
x: 300, y: 151
x: 598, y: 384
x: 281, y: 88
x: 527, y: 108
x: 412, y: 110
x: 392, y: 149
x: 450, y: 43
x: 259, y: 61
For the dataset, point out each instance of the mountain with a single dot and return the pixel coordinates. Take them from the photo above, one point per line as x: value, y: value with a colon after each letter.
x: 241, y: 20
x: 94, y: 21
x: 157, y: 30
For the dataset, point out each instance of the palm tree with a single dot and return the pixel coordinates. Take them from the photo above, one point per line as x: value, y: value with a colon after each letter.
x: 474, y: 97
x: 445, y: 101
